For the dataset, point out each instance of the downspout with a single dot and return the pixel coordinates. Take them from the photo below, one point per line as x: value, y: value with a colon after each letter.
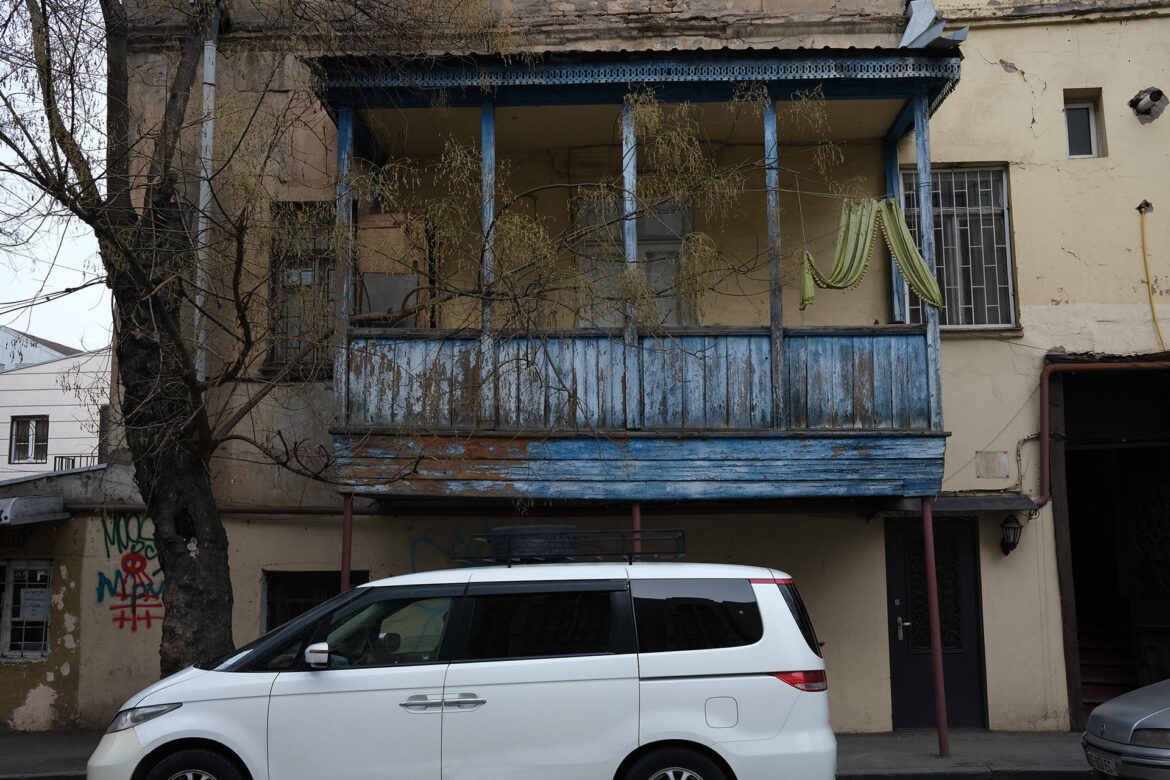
x: 206, y: 146
x: 1055, y: 368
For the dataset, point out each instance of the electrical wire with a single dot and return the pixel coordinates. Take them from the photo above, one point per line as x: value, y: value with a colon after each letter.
x: 1142, y: 210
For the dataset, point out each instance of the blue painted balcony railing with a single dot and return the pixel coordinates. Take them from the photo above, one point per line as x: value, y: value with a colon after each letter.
x: 693, y: 414
x: 687, y: 381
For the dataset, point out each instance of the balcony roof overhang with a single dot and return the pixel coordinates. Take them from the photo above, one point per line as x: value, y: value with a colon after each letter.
x: 605, y: 77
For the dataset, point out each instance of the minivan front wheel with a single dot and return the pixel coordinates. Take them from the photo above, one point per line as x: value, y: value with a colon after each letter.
x: 195, y: 764
x: 675, y: 764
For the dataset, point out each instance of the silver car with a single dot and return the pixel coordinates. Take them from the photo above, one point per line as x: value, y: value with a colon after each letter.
x: 1129, y: 736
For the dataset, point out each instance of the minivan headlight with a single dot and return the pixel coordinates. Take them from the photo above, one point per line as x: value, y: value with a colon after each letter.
x: 1155, y: 738
x: 127, y: 719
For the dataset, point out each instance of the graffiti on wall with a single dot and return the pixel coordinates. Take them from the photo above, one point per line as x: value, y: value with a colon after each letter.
x: 133, y: 590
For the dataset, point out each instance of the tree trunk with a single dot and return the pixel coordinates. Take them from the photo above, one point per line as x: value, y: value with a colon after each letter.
x: 165, y: 422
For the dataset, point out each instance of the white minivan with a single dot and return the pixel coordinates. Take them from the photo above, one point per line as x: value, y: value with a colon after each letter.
x: 579, y: 671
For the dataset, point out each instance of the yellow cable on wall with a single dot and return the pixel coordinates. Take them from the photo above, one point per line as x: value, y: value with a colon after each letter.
x: 1145, y: 207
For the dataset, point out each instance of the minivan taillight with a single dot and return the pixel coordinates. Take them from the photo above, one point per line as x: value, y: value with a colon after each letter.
x: 814, y: 680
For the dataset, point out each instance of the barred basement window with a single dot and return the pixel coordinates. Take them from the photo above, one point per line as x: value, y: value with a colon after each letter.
x: 973, y: 257
x: 24, y: 609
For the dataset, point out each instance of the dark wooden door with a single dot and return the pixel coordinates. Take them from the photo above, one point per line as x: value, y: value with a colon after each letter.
x: 912, y: 689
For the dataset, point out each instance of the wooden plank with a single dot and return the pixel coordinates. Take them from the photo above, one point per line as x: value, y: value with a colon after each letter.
x: 883, y: 401
x: 841, y: 373
x: 864, y: 416
x: 555, y: 357
x: 343, y: 277
x: 673, y: 366
x: 692, y: 376
x: 796, y: 391
x: 761, y: 382
x: 918, y: 383
x: 610, y: 370
x: 508, y: 384
x: 715, y: 382
x: 901, y: 383
x: 533, y: 393
x: 739, y: 382
x: 629, y: 491
x: 654, y: 379
x: 587, y: 401
x: 633, y: 378
x: 820, y: 383
x: 926, y: 445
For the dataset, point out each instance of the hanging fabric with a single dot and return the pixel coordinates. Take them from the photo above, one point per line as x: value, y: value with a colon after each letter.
x: 855, y: 239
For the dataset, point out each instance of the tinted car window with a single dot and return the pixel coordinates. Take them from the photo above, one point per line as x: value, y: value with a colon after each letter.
x: 695, y: 614
x: 390, y: 632
x: 524, y: 625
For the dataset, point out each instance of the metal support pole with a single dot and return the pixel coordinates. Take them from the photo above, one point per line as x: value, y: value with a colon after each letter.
x: 637, y: 517
x: 940, y: 694
x: 346, y: 539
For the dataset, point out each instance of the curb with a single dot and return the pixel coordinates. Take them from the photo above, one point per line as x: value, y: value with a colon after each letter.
x: 965, y: 773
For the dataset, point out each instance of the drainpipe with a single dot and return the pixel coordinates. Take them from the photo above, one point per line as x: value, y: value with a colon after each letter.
x: 205, y: 163
x: 1055, y: 368
x: 936, y: 659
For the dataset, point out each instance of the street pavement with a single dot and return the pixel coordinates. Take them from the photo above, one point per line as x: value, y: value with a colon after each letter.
x: 975, y: 755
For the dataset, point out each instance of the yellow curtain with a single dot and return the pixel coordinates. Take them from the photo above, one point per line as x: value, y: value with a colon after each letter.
x: 855, y: 238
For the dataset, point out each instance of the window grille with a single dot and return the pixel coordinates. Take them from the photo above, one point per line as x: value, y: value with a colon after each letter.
x: 24, y: 609
x: 29, y: 440
x: 303, y: 254
x: 973, y: 258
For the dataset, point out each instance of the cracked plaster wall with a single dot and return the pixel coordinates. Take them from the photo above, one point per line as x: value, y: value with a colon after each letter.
x: 1080, y: 283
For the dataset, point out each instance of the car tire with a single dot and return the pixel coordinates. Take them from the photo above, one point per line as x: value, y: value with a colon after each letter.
x: 196, y: 764
x: 675, y: 764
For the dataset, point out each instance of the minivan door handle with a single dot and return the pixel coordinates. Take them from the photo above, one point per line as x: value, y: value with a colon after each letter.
x: 421, y: 702
x: 464, y: 701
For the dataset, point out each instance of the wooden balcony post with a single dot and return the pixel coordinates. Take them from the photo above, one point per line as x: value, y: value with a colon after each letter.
x: 926, y: 233
x: 633, y: 358
x: 487, y: 271
x: 343, y: 278
x: 894, y: 192
x: 775, y: 300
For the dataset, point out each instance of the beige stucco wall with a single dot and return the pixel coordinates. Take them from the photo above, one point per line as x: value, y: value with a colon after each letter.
x: 39, y: 694
x: 1080, y: 284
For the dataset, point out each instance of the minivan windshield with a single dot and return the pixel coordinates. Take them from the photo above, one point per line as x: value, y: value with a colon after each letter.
x: 231, y: 661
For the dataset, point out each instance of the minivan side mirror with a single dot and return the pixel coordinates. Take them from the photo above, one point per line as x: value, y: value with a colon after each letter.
x: 317, y: 655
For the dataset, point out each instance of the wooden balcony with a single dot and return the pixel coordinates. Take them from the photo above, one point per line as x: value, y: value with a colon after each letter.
x: 701, y: 412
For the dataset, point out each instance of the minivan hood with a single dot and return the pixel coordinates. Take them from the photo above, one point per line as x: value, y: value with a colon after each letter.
x: 190, y: 673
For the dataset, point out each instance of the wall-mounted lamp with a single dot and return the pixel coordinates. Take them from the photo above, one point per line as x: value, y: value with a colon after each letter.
x: 1010, y: 528
x: 1143, y: 103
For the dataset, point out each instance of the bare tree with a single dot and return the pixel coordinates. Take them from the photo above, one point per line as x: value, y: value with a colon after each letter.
x: 100, y: 122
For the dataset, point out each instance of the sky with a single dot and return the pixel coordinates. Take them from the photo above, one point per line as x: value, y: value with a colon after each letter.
x: 55, y: 262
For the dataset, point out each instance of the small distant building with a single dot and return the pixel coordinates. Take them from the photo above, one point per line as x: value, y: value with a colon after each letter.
x: 24, y: 349
x: 53, y: 408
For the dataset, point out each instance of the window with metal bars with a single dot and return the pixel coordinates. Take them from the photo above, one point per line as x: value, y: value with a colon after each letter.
x: 24, y: 609
x: 973, y: 255
x: 303, y: 251
x: 28, y: 440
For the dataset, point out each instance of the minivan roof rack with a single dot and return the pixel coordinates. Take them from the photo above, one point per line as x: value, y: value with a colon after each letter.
x: 566, y: 544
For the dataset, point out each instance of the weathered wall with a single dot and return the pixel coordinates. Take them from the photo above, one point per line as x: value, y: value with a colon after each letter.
x: 1080, y: 284
x: 42, y: 693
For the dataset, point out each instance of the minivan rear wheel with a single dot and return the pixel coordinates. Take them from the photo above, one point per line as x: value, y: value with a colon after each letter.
x: 675, y: 764
x: 195, y: 764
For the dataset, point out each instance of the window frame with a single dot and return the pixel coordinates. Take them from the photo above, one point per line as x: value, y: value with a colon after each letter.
x: 1090, y: 105
x: 32, y: 443
x: 323, y: 271
x: 622, y: 636
x: 7, y: 592
x: 908, y: 182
